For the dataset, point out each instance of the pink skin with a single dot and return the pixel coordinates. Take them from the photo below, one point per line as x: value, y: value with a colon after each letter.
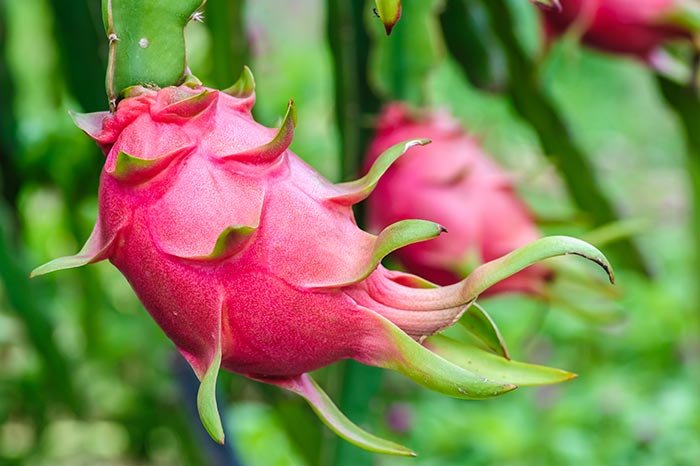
x: 454, y: 183
x: 249, y: 260
x: 267, y: 299
x: 632, y: 27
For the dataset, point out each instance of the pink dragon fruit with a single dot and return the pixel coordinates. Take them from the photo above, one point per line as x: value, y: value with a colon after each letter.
x: 634, y: 27
x: 452, y: 182
x: 250, y: 261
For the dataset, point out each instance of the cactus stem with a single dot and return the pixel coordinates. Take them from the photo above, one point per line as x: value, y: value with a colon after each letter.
x: 113, y: 39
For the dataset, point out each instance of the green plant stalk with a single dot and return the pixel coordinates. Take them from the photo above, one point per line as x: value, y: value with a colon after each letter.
x: 9, y: 183
x: 400, y: 65
x: 78, y: 33
x: 147, y: 42
x: 225, y: 20
x: 355, y: 101
x: 684, y: 101
x: 533, y: 104
x: 399, y: 84
x: 473, y: 45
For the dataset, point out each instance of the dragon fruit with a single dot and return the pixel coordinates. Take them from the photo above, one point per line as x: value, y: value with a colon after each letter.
x: 252, y: 262
x: 633, y: 27
x: 452, y: 182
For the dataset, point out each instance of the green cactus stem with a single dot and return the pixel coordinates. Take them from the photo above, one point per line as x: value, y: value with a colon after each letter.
x: 147, y: 42
x: 229, y: 43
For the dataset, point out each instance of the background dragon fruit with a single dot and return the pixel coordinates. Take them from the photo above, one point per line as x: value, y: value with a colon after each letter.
x: 635, y: 27
x: 454, y: 183
x: 251, y: 261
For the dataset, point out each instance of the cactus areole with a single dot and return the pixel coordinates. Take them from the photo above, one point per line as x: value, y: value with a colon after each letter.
x: 251, y: 261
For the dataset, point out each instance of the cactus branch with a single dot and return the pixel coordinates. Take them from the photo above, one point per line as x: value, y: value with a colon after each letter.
x: 147, y: 43
x: 113, y: 39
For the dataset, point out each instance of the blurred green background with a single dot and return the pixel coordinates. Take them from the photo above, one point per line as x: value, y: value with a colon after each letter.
x: 87, y: 378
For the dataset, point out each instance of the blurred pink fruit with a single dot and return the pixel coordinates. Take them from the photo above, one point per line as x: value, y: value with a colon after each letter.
x: 634, y: 27
x: 454, y: 183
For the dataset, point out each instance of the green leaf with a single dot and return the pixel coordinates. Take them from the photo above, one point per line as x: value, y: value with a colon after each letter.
x: 244, y: 87
x: 206, y: 399
x: 191, y: 105
x: 477, y: 322
x: 90, y: 123
x: 329, y: 413
x: 588, y: 304
x: 487, y: 275
x: 355, y: 191
x: 132, y: 169
x: 389, y: 12
x: 273, y: 149
x: 432, y: 371
x: 495, y: 367
x: 95, y: 249
x: 354, y: 97
x: 616, y: 231
x: 231, y: 241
